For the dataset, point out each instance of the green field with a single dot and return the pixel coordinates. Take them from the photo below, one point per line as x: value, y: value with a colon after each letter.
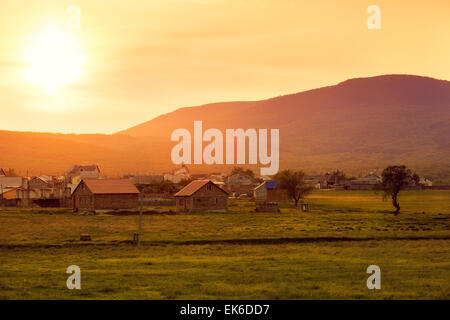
x: 238, y: 255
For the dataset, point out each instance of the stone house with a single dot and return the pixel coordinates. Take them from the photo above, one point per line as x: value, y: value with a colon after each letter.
x: 202, y: 195
x: 99, y: 194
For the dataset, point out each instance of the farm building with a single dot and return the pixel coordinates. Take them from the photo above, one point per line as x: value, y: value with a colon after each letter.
x: 269, y: 191
x: 13, y: 182
x: 98, y: 194
x: 8, y: 196
x: 366, y: 183
x: 42, y: 182
x: 202, y: 195
x: 76, y: 173
x: 240, y: 183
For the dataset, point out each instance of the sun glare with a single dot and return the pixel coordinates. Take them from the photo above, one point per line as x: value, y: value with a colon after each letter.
x: 54, y: 59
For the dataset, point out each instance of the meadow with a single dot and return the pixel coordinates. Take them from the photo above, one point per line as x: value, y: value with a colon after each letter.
x: 322, y: 254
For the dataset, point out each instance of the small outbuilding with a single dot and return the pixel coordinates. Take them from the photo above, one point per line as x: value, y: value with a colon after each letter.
x: 202, y: 195
x: 270, y: 191
x: 100, y: 194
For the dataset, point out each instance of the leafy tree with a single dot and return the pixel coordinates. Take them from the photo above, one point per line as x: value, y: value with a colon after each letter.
x: 395, y: 179
x: 293, y: 182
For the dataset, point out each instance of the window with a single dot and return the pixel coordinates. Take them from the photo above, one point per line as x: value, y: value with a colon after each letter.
x: 217, y: 200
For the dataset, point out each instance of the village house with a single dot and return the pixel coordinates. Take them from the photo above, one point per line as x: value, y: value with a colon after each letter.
x: 99, y: 194
x: 43, y: 182
x: 76, y: 173
x: 240, y: 183
x: 45, y: 191
x: 9, y: 197
x: 315, y: 180
x: 13, y: 182
x: 202, y: 195
x: 9, y: 188
x: 366, y: 183
x: 269, y: 191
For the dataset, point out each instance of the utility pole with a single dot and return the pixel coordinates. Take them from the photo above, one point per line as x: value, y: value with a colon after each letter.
x: 140, y: 219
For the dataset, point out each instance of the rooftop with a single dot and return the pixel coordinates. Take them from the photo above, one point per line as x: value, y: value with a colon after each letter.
x: 110, y: 186
x: 193, y: 187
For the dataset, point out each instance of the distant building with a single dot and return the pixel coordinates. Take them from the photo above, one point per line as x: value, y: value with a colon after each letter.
x: 366, y: 183
x: 83, y: 172
x: 9, y: 193
x: 425, y: 182
x: 98, y: 194
x: 13, y: 182
x: 9, y: 197
x: 39, y: 183
x: 315, y: 180
x: 269, y: 191
x: 2, y: 173
x: 217, y: 177
x: 239, y: 183
x: 202, y: 195
x: 177, y: 175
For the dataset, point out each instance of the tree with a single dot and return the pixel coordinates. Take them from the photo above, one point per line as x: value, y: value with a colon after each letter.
x: 293, y: 182
x: 395, y: 179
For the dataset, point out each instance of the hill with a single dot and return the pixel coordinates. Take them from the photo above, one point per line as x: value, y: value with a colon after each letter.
x: 357, y: 125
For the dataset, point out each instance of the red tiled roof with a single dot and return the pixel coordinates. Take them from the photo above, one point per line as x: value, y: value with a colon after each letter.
x: 193, y: 187
x: 110, y: 186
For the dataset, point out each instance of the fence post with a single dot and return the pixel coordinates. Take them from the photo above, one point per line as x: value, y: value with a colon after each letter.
x: 140, y: 220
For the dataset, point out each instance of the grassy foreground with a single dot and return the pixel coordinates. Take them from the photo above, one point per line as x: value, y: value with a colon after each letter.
x: 238, y: 255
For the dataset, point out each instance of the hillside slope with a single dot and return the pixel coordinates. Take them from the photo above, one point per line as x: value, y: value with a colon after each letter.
x: 358, y: 125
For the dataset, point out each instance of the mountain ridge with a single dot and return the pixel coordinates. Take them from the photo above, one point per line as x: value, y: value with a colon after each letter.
x: 356, y: 125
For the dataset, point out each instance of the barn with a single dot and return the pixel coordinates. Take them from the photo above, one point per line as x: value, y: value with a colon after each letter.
x: 100, y: 194
x: 202, y: 195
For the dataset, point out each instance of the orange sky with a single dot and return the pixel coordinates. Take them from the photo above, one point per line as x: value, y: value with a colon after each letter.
x: 144, y: 58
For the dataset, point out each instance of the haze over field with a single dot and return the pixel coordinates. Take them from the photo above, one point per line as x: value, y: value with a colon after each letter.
x: 358, y: 125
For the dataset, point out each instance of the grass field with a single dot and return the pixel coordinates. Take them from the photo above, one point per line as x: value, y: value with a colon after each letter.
x: 238, y: 255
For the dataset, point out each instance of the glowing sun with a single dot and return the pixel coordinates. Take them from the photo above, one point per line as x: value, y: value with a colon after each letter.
x: 54, y: 59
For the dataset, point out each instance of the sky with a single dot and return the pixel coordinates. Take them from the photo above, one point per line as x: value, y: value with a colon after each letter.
x: 127, y: 62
